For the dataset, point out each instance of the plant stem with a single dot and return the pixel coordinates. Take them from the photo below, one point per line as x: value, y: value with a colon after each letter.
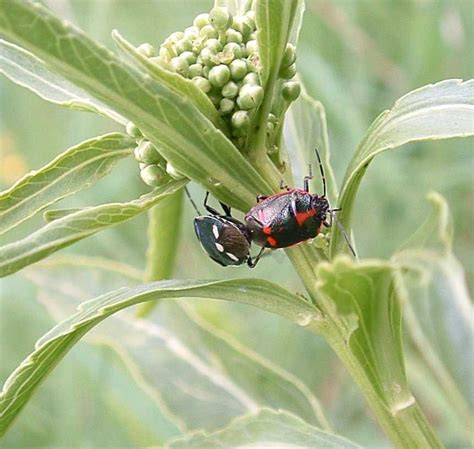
x: 163, y: 237
x: 407, y: 427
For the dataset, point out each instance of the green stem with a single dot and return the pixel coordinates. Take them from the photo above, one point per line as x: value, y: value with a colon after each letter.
x: 163, y: 239
x: 407, y: 427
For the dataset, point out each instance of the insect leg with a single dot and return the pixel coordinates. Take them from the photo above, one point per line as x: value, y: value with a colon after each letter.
x: 253, y: 263
x: 308, y: 178
x: 211, y: 210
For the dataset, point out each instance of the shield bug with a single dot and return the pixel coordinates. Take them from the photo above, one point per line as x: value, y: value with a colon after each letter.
x: 292, y: 216
x: 224, y: 238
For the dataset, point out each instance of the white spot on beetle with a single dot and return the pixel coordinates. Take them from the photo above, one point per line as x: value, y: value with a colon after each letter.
x: 231, y: 256
x: 215, y: 231
x: 219, y: 247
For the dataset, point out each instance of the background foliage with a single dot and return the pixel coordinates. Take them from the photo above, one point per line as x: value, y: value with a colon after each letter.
x: 355, y: 57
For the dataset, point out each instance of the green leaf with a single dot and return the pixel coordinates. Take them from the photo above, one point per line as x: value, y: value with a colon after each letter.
x: 74, y: 227
x: 182, y: 134
x: 306, y: 129
x: 436, y: 111
x: 173, y: 81
x: 439, y: 314
x: 53, y: 346
x: 25, y: 69
x: 274, y: 23
x: 367, y: 297
x: 77, y: 168
x: 231, y: 378
x: 266, y: 429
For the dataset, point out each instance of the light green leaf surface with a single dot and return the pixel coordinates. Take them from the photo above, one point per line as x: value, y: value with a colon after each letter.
x: 53, y: 346
x: 220, y: 376
x: 439, y: 315
x: 274, y: 23
x: 76, y: 226
x: 182, y: 134
x: 306, y: 129
x: 77, y: 168
x: 366, y: 296
x: 436, y: 111
x: 25, y: 69
x: 265, y: 429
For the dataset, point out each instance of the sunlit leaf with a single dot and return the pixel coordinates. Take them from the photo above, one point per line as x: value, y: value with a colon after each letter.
x: 75, y: 169
x: 53, y: 346
x: 266, y: 429
x: 25, y: 69
x: 436, y: 111
x: 182, y: 134
x: 76, y: 226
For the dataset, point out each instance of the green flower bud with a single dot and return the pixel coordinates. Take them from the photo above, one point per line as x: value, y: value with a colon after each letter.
x: 152, y: 175
x: 243, y: 25
x: 215, y: 98
x: 158, y: 60
x: 252, y: 62
x: 184, y: 45
x: 234, y: 48
x: 253, y: 36
x: 214, y: 45
x: 191, y: 33
x: 202, y: 83
x: 205, y: 71
x: 287, y: 72
x: 147, y: 153
x: 209, y: 31
x: 226, y: 106
x: 146, y: 50
x: 251, y: 15
x: 189, y: 56
x: 225, y: 57
x: 238, y: 69
x: 142, y: 165
x: 230, y: 90
x: 251, y: 78
x: 165, y: 54
x: 175, y: 174
x: 252, y: 47
x: 179, y: 65
x: 240, y: 120
x: 194, y: 70
x: 291, y: 90
x: 289, y: 57
x: 270, y: 127
x: 201, y: 20
x: 220, y: 18
x: 133, y: 130
x: 232, y: 35
x: 219, y: 75
x: 207, y: 56
x: 250, y: 96
x: 272, y: 118
x: 175, y: 37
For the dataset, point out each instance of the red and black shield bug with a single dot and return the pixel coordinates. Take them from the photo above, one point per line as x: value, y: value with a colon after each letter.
x: 225, y: 239
x: 291, y: 217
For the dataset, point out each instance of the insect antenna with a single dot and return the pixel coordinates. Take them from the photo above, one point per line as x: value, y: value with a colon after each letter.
x: 344, y: 233
x: 192, y: 201
x: 321, y: 169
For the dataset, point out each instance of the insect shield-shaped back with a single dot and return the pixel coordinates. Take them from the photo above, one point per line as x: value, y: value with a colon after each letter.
x: 286, y: 218
x: 224, y: 240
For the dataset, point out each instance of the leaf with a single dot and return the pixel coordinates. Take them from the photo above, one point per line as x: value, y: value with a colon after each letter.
x: 74, y: 227
x: 367, y: 297
x: 274, y: 23
x: 306, y: 129
x: 173, y: 81
x: 436, y: 111
x: 53, y: 346
x: 25, y: 69
x: 219, y: 375
x: 77, y: 168
x: 439, y: 313
x: 266, y: 429
x: 181, y: 133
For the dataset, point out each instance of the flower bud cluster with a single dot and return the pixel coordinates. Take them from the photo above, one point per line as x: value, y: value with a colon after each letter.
x: 154, y: 170
x: 219, y: 53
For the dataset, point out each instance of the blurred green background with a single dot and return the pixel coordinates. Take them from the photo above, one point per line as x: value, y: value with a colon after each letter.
x: 357, y: 58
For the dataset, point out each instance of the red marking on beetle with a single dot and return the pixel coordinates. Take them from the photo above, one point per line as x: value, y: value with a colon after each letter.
x: 267, y: 230
x: 272, y: 241
x: 301, y: 217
